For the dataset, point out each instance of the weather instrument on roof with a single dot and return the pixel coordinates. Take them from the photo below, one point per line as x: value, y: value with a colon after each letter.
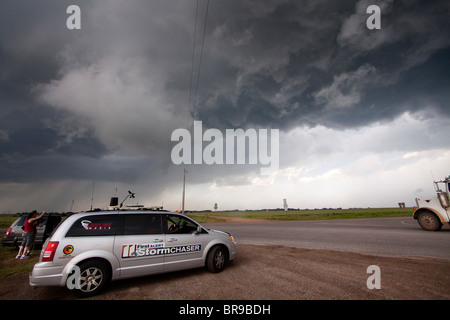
x: 114, y: 203
x: 130, y: 195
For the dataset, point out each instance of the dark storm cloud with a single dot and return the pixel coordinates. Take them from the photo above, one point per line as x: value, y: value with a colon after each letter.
x: 299, y: 64
x: 47, y: 139
x: 34, y: 148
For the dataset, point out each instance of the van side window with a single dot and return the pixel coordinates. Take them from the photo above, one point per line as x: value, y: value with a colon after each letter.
x: 180, y: 225
x: 101, y: 225
x: 142, y: 224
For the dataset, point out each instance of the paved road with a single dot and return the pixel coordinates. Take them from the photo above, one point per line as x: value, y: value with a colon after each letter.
x: 384, y: 236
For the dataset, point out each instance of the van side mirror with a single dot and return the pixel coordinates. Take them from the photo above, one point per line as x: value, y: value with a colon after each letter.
x: 199, y: 230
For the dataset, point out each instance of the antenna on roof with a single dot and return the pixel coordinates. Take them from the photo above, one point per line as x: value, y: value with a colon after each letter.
x: 92, y: 199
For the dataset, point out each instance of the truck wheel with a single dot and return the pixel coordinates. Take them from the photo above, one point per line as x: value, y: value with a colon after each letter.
x: 429, y: 221
x: 93, y: 277
x: 216, y: 259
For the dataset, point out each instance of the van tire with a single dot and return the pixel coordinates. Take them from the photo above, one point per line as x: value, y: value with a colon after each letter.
x: 216, y: 260
x: 94, y: 275
x: 429, y: 221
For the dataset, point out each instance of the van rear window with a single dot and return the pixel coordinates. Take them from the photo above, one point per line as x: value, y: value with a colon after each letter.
x: 101, y: 225
x: 139, y: 224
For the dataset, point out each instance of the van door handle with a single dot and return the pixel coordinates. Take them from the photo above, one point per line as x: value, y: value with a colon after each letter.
x: 158, y: 240
x: 172, y: 240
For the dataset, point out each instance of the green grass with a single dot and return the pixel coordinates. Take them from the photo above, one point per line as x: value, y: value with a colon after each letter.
x: 322, y: 214
x: 203, y: 218
x: 7, y: 219
x: 9, y: 265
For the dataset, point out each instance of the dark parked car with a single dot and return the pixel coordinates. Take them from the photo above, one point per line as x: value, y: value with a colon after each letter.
x: 45, y: 227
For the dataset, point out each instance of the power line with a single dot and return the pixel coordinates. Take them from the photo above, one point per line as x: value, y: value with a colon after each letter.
x: 192, y: 64
x: 201, y: 56
x: 197, y: 81
x: 200, y: 60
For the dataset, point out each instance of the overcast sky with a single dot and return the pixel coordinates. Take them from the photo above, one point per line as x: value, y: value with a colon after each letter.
x: 363, y: 115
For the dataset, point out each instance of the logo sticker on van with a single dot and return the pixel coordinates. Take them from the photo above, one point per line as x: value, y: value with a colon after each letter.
x: 68, y: 249
x: 142, y: 250
x: 88, y: 225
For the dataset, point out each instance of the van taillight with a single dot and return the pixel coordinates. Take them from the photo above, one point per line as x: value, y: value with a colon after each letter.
x: 8, y: 232
x: 50, y: 250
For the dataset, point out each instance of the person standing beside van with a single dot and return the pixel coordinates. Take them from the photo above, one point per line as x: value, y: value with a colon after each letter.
x: 28, y: 234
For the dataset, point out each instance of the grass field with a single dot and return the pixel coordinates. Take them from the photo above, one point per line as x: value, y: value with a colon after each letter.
x: 6, y: 220
x: 304, y: 214
x: 202, y: 217
x: 9, y: 265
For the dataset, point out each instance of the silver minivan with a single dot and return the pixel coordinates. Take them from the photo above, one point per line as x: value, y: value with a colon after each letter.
x: 90, y: 249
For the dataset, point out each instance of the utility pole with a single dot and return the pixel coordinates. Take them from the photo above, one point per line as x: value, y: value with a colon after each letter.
x: 184, y: 190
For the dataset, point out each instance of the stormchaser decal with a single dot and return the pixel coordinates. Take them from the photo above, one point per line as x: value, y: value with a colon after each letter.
x: 145, y: 250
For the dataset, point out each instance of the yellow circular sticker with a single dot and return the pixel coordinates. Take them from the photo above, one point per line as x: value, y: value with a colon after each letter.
x: 68, y: 249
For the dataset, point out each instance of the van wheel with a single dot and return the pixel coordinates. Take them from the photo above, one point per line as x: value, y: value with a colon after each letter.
x: 216, y: 259
x: 428, y: 221
x: 93, y: 277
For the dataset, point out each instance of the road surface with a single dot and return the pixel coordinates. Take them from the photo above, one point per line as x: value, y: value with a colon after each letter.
x: 382, y: 236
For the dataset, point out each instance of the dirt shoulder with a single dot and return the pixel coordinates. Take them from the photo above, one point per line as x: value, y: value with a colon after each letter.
x: 237, y: 219
x: 263, y: 272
